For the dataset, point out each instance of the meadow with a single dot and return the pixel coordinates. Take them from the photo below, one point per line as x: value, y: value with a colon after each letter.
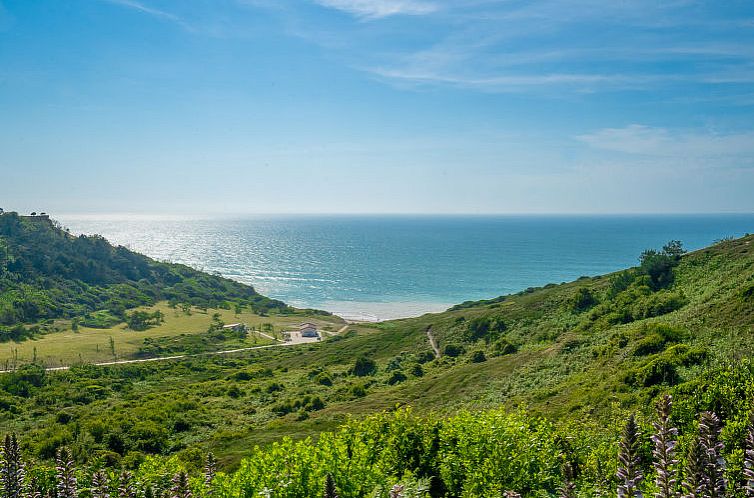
x: 178, y: 333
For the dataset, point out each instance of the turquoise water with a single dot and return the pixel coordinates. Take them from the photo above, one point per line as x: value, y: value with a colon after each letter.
x: 377, y: 267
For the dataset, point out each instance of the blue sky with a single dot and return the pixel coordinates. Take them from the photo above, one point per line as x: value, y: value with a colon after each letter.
x: 353, y: 106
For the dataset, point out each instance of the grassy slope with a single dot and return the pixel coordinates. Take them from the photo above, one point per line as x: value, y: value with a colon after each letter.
x: 92, y: 345
x: 569, y: 366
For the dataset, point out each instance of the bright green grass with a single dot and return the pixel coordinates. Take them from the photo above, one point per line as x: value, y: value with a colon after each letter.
x: 90, y: 345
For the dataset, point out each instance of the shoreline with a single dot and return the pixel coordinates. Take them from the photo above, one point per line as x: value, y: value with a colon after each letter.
x: 375, y: 312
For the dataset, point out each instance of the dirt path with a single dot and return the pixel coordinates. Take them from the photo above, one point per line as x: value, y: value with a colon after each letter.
x: 268, y: 336
x: 166, y: 358
x: 432, y: 342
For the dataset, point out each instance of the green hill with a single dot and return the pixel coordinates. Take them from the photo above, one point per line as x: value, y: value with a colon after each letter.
x: 47, y: 273
x: 581, y: 354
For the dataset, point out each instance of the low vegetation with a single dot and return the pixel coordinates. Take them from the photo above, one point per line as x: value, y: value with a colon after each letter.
x: 528, y: 393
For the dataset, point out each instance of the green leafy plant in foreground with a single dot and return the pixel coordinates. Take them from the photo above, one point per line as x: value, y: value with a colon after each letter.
x: 398, y: 454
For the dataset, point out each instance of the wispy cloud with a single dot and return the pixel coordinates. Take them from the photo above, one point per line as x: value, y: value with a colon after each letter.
x: 375, y: 9
x: 576, y: 45
x: 688, y: 146
x: 146, y: 9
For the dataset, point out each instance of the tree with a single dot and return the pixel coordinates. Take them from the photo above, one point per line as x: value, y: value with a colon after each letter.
x: 658, y: 265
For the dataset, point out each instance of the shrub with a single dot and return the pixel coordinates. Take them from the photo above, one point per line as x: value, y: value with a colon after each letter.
x: 323, y: 378
x: 364, y: 366
x: 453, y: 350
x: 478, y: 357
x: 582, y: 300
x: 656, y: 337
x: 484, y: 327
x: 417, y: 370
x: 503, y: 347
x: 397, y: 377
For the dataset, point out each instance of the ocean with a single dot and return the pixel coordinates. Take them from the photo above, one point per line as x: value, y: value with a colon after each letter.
x: 383, y: 267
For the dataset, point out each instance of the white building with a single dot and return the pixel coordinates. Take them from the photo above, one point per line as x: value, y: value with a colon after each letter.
x: 308, y: 329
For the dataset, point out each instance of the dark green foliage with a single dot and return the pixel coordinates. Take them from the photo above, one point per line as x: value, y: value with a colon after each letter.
x: 324, y: 379
x: 306, y: 404
x: 748, y: 293
x: 478, y: 357
x: 453, y: 350
x: 620, y: 282
x: 396, y: 377
x: 484, y: 327
x: 583, y: 300
x: 658, y: 265
x: 657, y: 337
x: 364, y: 366
x: 358, y: 391
x: 142, y: 320
x: 502, y: 347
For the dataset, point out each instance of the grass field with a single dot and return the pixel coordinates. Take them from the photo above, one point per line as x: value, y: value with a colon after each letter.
x: 92, y: 345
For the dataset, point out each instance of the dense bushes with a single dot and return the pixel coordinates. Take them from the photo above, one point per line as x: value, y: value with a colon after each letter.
x: 364, y: 366
x: 484, y: 327
x: 470, y: 454
x: 583, y: 300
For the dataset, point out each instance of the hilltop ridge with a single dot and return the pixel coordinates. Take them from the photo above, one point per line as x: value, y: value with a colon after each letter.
x: 47, y: 273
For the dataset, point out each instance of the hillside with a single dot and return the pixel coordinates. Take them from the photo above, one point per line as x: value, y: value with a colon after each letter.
x: 585, y: 348
x: 46, y: 273
x: 582, y: 354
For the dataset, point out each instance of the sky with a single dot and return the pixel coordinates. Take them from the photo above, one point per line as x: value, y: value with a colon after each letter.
x: 376, y: 106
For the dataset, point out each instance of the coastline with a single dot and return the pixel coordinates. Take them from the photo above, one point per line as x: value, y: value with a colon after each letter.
x: 374, y: 312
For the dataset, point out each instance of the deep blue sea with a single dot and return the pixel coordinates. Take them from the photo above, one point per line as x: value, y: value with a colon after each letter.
x: 380, y: 267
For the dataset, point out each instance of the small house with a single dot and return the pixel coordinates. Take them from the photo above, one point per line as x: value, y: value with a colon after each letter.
x: 308, y: 329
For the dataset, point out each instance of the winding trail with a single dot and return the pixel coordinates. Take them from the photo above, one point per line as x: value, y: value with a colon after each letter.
x: 433, y: 342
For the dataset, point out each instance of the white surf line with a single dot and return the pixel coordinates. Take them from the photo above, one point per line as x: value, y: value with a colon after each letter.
x: 165, y: 358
